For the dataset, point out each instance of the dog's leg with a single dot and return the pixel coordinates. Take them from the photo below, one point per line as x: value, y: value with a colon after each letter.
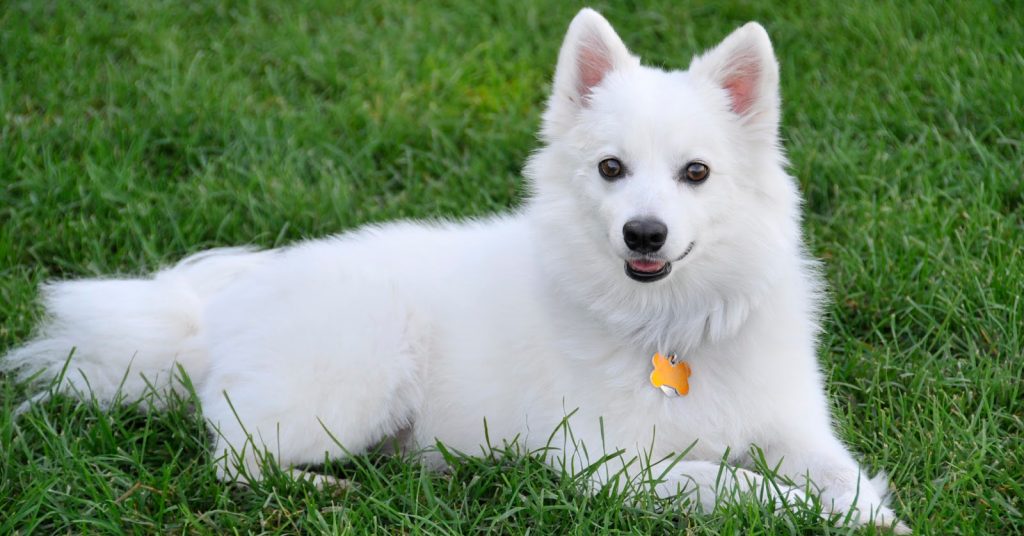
x: 712, y: 484
x: 701, y: 485
x: 297, y: 418
x: 312, y: 360
x: 821, y: 463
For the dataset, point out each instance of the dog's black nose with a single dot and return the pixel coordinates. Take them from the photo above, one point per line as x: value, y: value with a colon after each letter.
x: 644, y: 236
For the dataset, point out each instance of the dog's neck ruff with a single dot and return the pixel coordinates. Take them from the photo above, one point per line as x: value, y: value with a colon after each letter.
x: 671, y: 375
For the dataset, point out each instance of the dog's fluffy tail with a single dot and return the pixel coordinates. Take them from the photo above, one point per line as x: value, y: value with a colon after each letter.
x: 113, y: 339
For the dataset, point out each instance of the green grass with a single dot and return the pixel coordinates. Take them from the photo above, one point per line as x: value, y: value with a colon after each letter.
x: 133, y: 133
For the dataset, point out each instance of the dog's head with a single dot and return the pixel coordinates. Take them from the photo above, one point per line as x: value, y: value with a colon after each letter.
x: 661, y: 179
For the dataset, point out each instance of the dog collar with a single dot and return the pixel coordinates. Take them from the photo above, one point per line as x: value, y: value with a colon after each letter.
x: 671, y: 375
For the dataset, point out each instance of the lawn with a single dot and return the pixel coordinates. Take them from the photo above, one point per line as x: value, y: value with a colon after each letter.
x: 135, y: 132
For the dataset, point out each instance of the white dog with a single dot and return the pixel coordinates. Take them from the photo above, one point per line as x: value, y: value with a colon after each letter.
x: 659, y: 253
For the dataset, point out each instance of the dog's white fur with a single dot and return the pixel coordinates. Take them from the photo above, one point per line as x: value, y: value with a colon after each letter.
x: 429, y: 330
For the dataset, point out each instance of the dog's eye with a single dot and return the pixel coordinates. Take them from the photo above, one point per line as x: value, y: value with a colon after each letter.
x: 696, y: 172
x: 610, y: 168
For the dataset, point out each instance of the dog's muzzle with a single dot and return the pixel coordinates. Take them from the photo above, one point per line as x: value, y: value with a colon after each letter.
x: 646, y: 270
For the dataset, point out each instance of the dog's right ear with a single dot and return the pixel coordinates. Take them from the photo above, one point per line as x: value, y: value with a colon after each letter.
x: 590, y: 51
x: 745, y: 68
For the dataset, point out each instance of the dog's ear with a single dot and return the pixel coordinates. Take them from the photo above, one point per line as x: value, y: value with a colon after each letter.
x: 744, y: 66
x: 590, y: 51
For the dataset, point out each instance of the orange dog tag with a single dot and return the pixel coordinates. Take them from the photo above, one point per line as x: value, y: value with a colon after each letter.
x: 670, y: 375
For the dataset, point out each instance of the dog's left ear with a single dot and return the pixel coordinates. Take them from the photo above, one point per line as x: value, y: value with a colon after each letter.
x: 590, y: 52
x: 744, y: 66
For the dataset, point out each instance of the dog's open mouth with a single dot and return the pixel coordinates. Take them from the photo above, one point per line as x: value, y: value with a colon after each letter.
x: 646, y: 270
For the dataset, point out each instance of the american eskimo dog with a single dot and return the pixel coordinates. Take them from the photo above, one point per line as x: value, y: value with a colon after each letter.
x: 654, y: 285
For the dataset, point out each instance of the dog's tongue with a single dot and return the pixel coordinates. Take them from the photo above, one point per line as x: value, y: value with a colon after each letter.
x: 646, y: 266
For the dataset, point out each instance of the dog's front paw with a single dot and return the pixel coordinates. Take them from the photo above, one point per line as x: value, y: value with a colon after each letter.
x: 862, y: 503
x: 867, y: 511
